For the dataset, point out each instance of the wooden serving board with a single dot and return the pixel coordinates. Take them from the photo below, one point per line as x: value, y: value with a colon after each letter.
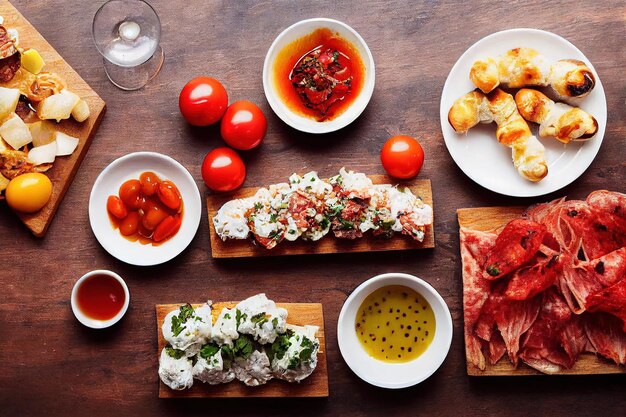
x: 487, y: 219
x: 328, y: 244
x: 300, y: 314
x: 65, y: 167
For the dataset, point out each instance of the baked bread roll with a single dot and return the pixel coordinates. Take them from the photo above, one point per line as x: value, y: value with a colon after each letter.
x: 523, y: 67
x: 528, y: 153
x: 558, y: 120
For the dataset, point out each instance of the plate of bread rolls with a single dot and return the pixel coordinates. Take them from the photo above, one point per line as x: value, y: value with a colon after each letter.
x: 523, y: 112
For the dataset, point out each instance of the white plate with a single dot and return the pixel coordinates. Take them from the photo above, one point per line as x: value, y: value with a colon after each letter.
x: 478, y: 153
x: 130, y: 167
x: 394, y: 375
x: 299, y: 30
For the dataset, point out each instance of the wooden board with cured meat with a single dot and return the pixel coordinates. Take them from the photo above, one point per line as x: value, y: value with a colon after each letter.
x: 300, y: 314
x: 492, y: 219
x: 64, y: 169
x: 328, y: 244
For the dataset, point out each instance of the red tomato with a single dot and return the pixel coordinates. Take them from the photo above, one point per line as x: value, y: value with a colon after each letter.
x: 402, y: 157
x: 168, y: 227
x: 203, y: 101
x: 223, y: 170
x: 116, y: 207
x: 149, y: 183
x: 153, y: 215
x: 130, y: 224
x: 244, y: 125
x: 169, y: 195
x: 130, y: 194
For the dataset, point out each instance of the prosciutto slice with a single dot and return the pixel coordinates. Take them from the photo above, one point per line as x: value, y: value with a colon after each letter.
x: 610, y: 300
x: 580, y: 279
x: 607, y: 337
x: 532, y: 280
x: 556, y: 339
x: 474, y: 247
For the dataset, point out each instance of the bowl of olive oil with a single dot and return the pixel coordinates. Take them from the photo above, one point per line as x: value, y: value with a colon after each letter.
x: 394, y: 330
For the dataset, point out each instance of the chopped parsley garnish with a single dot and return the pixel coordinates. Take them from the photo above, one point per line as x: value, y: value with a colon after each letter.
x: 174, y: 353
x: 178, y: 322
x: 258, y: 206
x: 324, y: 223
x: 292, y: 232
x: 243, y: 347
x: 273, y: 218
x: 387, y: 225
x: 209, y: 350
x: 313, y: 179
x: 280, y: 346
x: 259, y: 319
x: 345, y: 224
x: 227, y: 316
x: 335, y: 210
x: 239, y: 317
x: 493, y: 270
x: 305, y: 354
x: 275, y: 322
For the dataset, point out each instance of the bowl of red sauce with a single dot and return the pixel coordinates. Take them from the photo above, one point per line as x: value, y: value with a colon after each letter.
x: 100, y: 299
x: 318, y: 75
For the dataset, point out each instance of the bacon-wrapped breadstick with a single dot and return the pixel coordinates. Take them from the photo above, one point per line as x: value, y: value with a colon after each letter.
x: 524, y: 67
x: 558, y: 120
x: 475, y: 107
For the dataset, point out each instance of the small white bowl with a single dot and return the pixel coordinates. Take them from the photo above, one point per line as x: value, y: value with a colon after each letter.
x: 394, y: 375
x: 303, y: 123
x: 130, y: 167
x: 88, y: 321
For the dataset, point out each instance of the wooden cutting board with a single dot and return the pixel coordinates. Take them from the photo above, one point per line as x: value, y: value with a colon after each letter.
x: 65, y: 167
x: 328, y: 244
x: 300, y: 314
x: 487, y: 219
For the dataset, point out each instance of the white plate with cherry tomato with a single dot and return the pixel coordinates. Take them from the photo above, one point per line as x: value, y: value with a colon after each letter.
x: 145, y: 208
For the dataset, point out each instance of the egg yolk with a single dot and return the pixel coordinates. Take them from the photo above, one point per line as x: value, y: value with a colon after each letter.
x: 28, y: 193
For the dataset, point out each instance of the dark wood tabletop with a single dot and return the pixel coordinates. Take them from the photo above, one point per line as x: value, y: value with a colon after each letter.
x: 53, y: 366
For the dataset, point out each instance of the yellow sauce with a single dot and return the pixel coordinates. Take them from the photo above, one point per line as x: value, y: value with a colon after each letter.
x: 395, y: 324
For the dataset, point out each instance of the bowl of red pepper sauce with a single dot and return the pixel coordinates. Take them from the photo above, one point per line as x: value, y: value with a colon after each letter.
x: 100, y: 299
x: 318, y: 75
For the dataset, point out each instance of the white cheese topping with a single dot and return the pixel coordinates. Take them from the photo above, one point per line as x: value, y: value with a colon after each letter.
x: 261, y: 318
x: 175, y: 373
x: 196, y: 330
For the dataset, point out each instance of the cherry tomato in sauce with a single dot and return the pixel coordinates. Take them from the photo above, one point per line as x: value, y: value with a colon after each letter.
x: 154, y: 213
x: 243, y: 125
x: 149, y: 183
x: 130, y: 224
x: 169, y: 195
x: 168, y: 227
x: 402, y: 157
x: 203, y: 101
x: 116, y: 207
x: 223, y: 170
x: 130, y: 194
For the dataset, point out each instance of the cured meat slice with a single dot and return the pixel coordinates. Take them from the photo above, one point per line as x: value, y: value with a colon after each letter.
x: 530, y: 281
x: 513, y: 319
x: 607, y: 336
x: 580, y: 279
x: 474, y: 246
x: 497, y: 348
x: 556, y: 339
x: 515, y: 246
x: 610, y: 300
x: 609, y: 202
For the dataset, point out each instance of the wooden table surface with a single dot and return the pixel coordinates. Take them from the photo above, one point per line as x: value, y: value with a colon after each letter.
x: 53, y: 366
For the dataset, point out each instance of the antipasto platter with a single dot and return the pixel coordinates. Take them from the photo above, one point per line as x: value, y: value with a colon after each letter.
x: 547, y: 312
x: 46, y: 74
x: 366, y: 243
x: 301, y: 315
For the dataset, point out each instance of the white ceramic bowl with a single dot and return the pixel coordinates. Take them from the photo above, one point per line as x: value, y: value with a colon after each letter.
x: 394, y: 375
x: 108, y: 183
x: 299, y: 30
x: 88, y: 321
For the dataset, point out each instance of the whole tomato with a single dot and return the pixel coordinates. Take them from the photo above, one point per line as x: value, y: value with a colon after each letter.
x: 243, y: 125
x: 203, y: 101
x: 223, y: 170
x: 402, y: 157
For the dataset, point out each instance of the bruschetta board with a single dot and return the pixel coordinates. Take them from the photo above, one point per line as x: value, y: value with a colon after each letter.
x: 492, y: 219
x: 367, y: 243
x: 65, y: 168
x: 316, y: 385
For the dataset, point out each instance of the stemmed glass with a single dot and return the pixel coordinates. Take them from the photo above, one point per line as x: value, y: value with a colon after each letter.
x: 127, y: 34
